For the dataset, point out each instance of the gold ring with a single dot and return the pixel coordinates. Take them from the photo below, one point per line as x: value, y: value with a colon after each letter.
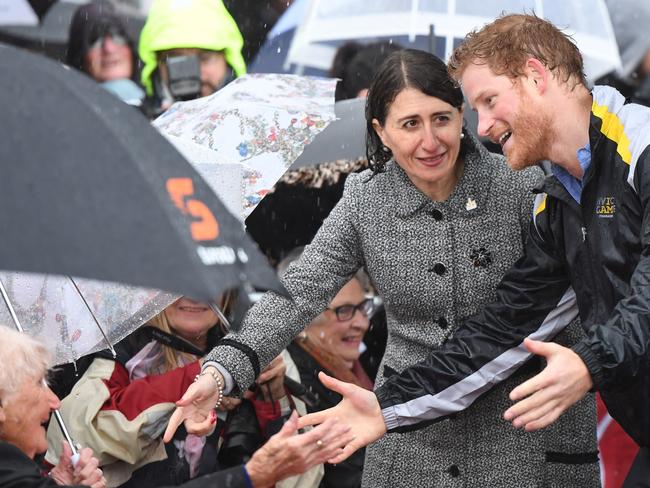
x: 319, y: 444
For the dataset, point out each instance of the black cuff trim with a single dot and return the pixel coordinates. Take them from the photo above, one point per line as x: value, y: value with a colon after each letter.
x: 572, y: 458
x: 591, y: 361
x: 252, y: 355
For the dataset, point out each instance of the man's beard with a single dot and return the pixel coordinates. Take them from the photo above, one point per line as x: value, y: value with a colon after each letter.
x: 532, y: 137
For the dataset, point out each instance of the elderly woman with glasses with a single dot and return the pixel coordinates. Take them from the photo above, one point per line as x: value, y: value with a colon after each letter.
x: 332, y: 342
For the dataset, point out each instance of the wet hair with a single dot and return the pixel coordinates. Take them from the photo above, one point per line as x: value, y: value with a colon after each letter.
x: 505, y: 44
x: 356, y: 64
x: 407, y: 68
x: 23, y: 358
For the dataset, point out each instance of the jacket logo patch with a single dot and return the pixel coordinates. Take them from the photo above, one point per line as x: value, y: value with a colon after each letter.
x: 606, y: 207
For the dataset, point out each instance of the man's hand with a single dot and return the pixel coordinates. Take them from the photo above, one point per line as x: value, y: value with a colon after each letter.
x: 563, y: 382
x: 359, y: 409
x: 273, y: 378
x: 86, y: 472
x: 194, y: 409
x: 287, y: 454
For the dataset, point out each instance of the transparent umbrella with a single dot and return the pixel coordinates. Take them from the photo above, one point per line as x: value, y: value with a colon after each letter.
x: 75, y: 317
x: 434, y: 25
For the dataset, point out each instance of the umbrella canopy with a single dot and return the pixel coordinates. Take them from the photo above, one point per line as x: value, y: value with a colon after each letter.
x: 245, y: 136
x: 17, y: 12
x: 345, y: 138
x: 90, y: 189
x: 434, y: 25
x: 72, y: 316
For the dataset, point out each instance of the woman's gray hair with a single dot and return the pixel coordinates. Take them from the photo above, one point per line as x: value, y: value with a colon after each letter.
x: 23, y: 358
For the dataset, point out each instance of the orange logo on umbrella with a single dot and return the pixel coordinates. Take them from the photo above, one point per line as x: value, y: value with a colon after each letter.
x: 206, y: 227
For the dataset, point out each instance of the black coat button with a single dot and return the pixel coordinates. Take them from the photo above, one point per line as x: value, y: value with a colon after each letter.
x: 436, y: 214
x: 438, y: 268
x: 454, y: 471
x: 442, y: 323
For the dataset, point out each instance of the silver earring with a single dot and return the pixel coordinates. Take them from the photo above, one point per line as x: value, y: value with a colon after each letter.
x: 385, y: 148
x: 462, y: 135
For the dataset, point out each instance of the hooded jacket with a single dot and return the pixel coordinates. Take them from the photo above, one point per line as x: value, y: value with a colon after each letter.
x: 593, y: 256
x: 202, y: 24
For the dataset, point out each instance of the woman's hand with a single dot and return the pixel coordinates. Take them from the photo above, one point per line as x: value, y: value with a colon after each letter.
x: 86, y: 472
x: 287, y: 454
x: 195, y: 408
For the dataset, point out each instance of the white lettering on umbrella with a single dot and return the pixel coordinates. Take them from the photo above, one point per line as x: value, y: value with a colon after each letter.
x: 216, y: 255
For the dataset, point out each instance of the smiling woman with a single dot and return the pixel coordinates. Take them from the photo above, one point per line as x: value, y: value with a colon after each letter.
x: 99, y: 44
x: 332, y: 343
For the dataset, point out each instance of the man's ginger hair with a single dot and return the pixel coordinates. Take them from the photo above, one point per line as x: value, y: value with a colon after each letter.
x: 505, y: 45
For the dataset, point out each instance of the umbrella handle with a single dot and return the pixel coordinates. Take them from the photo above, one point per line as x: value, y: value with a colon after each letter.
x: 68, y: 437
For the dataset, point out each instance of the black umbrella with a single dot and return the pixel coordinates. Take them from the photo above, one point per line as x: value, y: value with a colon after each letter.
x: 90, y: 189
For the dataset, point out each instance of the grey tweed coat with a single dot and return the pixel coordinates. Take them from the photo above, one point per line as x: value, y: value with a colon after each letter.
x: 433, y: 263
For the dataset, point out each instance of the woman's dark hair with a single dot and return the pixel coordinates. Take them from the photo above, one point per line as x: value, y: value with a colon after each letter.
x: 356, y: 64
x: 406, y: 68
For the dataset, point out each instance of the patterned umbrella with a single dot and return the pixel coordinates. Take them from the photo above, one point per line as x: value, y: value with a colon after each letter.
x: 245, y: 136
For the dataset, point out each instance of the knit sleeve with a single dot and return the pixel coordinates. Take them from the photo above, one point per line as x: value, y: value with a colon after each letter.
x: 312, y: 281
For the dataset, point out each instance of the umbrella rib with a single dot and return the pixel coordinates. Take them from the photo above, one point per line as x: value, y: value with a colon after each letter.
x: 92, y: 314
x: 215, y: 308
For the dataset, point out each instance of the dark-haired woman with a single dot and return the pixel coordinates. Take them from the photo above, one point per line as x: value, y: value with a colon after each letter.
x: 436, y: 222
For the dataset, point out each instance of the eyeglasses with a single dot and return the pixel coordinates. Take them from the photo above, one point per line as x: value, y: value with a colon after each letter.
x: 117, y: 39
x: 346, y: 312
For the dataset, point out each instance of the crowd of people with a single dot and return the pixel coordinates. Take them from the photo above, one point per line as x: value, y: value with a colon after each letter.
x: 511, y: 294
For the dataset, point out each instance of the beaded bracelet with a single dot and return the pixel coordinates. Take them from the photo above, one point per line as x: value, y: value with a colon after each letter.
x: 215, y: 376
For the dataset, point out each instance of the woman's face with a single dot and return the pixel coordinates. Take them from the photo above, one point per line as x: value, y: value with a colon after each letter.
x: 190, y: 319
x: 23, y: 416
x: 423, y: 133
x: 109, y: 58
x: 341, y: 338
